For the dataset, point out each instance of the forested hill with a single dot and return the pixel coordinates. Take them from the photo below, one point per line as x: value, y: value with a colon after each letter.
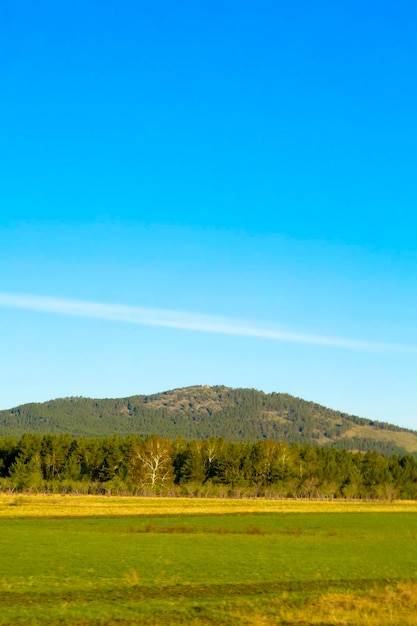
x: 202, y: 412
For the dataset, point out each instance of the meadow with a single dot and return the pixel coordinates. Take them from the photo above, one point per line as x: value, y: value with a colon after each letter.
x: 111, y: 560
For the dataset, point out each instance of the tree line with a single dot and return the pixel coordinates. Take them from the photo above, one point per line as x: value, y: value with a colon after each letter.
x: 212, y: 467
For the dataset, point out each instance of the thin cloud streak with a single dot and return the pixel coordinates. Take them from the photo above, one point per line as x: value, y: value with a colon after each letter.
x: 184, y: 321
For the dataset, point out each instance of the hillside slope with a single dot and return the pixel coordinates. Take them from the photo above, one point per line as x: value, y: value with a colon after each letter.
x: 202, y: 412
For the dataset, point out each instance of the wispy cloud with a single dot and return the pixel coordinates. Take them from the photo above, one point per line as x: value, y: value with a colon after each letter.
x: 185, y: 321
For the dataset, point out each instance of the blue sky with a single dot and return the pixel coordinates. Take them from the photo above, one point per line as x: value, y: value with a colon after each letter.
x: 251, y: 166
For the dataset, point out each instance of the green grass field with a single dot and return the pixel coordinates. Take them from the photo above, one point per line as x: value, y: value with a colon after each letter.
x: 320, y: 566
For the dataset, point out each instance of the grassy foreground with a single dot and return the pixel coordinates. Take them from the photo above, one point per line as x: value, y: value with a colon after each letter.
x: 98, y: 560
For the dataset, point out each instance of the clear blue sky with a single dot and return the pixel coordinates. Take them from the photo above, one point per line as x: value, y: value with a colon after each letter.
x: 248, y: 161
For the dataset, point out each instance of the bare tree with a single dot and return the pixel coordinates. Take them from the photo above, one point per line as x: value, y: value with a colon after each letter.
x: 151, y: 463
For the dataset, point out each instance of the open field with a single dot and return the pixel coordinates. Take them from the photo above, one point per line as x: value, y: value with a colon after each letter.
x: 97, y: 560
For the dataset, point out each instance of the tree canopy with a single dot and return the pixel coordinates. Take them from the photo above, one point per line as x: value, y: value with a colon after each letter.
x: 135, y: 465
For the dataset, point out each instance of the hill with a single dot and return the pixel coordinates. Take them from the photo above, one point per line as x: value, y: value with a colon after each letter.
x: 202, y: 412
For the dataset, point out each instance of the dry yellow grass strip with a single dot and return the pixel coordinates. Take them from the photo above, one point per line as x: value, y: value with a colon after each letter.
x: 40, y: 505
x: 395, y: 605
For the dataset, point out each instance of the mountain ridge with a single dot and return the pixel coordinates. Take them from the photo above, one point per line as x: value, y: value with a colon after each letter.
x: 202, y: 411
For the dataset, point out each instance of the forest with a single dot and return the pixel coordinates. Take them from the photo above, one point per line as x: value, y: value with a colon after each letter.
x: 200, y: 468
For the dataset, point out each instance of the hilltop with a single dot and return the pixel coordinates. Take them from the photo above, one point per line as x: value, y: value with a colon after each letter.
x: 201, y: 412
